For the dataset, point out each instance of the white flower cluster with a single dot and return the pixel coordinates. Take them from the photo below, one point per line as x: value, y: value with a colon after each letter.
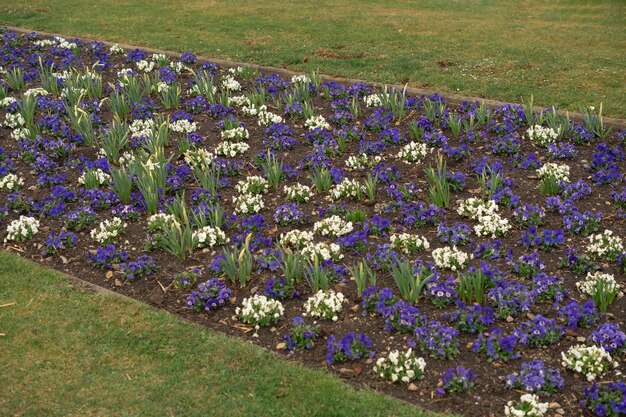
x: 551, y: 169
x: 123, y: 75
x: 588, y: 284
x: 109, y: 230
x: 373, y: 100
x: 474, y: 208
x: 413, y: 152
x: 230, y: 149
x: 36, y: 92
x: 209, y: 236
x: 23, y: 228
x: 10, y: 182
x: 605, y: 245
x: 161, y: 59
x: 592, y: 361
x: 409, y: 244
x: 115, y: 49
x: 324, y: 305
x: 237, y: 134
x: 248, y: 203
x: 20, y: 133
x: 230, y: 84
x: 267, y: 118
x: 56, y: 41
x: 240, y: 101
x: 198, y: 157
x: 300, y: 79
x: 178, y: 67
x: 7, y: 101
x: 145, y: 66
x: 259, y: 310
x: 347, y: 188
x: 298, y: 193
x: 315, y: 122
x: 14, y: 120
x: 296, y: 239
x: 450, y: 258
x: 396, y: 366
x: 527, y: 406
x: 362, y: 161
x: 332, y: 226
x: 542, y: 136
x: 492, y: 225
x: 97, y: 174
x: 141, y: 128
x: 157, y: 222
x: 254, y: 184
x: 183, y: 126
x: 322, y: 251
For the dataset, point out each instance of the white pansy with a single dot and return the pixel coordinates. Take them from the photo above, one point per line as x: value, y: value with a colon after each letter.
x: 23, y: 228
x: 333, y: 226
x: 450, y: 258
x: 10, y: 182
x: 591, y: 361
x: 324, y: 305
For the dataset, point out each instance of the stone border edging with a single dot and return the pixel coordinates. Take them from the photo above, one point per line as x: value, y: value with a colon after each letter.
x: 616, y: 123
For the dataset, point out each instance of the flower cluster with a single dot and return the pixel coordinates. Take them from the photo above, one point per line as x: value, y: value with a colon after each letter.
x: 591, y: 361
x: 209, y: 236
x: 527, y: 406
x: 409, y: 244
x: 542, y: 136
x: 211, y: 295
x: 400, y: 367
x: 302, y: 336
x: 325, y: 305
x: 349, y: 347
x: 536, y: 377
x: 332, y: 226
x: 605, y: 245
x: 259, y: 310
x: 10, y: 182
x: 109, y: 230
x: 609, y: 337
x: 606, y: 400
x: 450, y: 258
x: 456, y: 379
x: 298, y: 193
x: 21, y: 229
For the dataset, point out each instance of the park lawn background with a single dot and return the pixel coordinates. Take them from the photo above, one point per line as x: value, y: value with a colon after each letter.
x: 70, y: 352
x: 567, y: 53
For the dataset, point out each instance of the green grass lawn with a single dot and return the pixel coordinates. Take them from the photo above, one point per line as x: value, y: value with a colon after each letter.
x: 568, y: 53
x: 67, y: 352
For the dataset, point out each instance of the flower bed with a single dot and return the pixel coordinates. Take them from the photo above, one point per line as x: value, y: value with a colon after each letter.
x: 343, y: 226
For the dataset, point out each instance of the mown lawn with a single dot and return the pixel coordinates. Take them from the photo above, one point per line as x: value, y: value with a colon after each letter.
x: 568, y: 53
x: 68, y: 352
